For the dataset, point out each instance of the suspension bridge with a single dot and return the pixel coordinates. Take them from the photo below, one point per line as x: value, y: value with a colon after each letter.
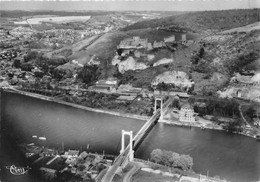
x: 127, y: 153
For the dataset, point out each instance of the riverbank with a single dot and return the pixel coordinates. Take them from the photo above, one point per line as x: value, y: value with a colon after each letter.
x: 203, y: 127
x: 42, y: 97
x: 160, y: 172
x: 247, y: 132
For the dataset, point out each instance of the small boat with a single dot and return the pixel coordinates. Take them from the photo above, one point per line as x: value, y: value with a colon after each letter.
x: 42, y: 138
x: 29, y: 155
x: 30, y: 144
x: 34, y: 136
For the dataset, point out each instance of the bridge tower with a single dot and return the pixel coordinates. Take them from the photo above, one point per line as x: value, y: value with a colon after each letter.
x: 156, y: 100
x: 131, y: 151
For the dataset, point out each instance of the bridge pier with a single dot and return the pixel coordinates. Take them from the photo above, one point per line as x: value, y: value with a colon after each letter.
x: 131, y: 151
x: 161, y: 105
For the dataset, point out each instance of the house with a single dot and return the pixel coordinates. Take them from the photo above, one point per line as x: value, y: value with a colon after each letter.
x: 169, y: 39
x: 99, y: 88
x: 187, y: 114
x: 71, y: 160
x: 149, y: 46
x: 158, y: 44
x: 134, y: 43
x: 83, y: 155
x: 108, y: 85
x: 126, y: 97
x: 128, y: 89
x: 256, y: 122
x: 110, y: 82
x: 183, y: 37
x: 52, y: 172
x: 73, y: 153
x: 48, y: 152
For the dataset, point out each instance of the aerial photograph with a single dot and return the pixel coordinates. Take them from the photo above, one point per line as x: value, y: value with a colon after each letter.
x: 130, y: 91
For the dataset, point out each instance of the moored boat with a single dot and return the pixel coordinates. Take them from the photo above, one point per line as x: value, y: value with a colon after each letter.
x: 42, y: 138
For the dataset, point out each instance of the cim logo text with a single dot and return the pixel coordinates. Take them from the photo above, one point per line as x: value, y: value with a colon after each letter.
x: 18, y: 170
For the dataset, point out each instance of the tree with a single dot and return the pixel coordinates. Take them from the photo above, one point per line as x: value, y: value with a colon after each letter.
x: 172, y: 159
x: 89, y: 74
x: 156, y: 155
x: 176, y: 103
x: 251, y: 112
x: 31, y: 55
x: 81, y: 167
x: 26, y: 67
x: 186, y: 162
x: 117, y: 73
x: 162, y: 86
x: 234, y: 126
x: 17, y: 63
x: 38, y: 74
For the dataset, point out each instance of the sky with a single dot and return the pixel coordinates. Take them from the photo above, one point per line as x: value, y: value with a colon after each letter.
x: 124, y: 5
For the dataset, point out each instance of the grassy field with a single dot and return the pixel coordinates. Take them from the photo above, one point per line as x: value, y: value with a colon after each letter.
x: 142, y: 176
x: 153, y: 34
x: 19, y: 13
x: 200, y: 21
x: 75, y: 47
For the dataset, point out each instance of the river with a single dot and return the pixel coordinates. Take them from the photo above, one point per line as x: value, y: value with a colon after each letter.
x: 233, y: 157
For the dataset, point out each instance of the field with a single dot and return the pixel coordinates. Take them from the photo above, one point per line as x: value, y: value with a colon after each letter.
x: 141, y: 176
x: 203, y: 21
x: 73, y: 48
x: 54, y: 19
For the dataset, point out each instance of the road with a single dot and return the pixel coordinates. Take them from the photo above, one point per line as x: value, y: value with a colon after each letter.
x: 111, y: 171
x: 128, y: 176
x: 244, y: 119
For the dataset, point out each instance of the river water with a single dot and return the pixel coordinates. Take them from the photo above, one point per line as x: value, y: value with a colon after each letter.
x: 233, y: 157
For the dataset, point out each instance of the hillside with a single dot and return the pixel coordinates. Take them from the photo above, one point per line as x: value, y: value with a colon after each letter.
x: 203, y: 21
x: 209, y: 60
x: 104, y: 48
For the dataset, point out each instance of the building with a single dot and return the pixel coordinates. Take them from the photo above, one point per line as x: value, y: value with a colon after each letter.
x: 51, y: 172
x: 134, y: 43
x: 71, y: 153
x: 104, y: 86
x: 83, y: 155
x: 169, y: 39
x: 187, y: 114
x: 159, y: 44
x: 183, y: 37
x: 256, y: 122
x: 110, y: 82
x: 48, y: 152
x: 126, y: 97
